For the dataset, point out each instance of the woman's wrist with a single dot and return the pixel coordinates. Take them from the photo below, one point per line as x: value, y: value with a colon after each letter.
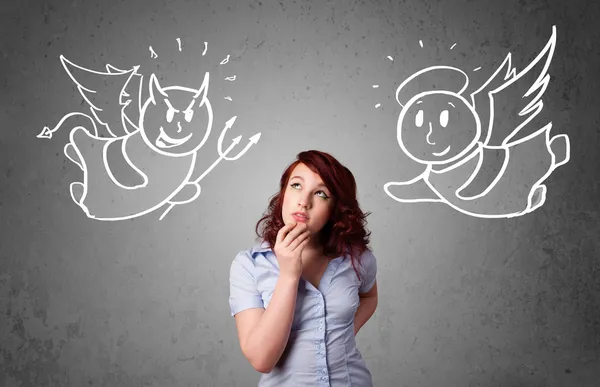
x: 289, y: 278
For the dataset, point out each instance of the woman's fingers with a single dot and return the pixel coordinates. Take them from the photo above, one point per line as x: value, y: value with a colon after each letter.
x: 299, y: 229
x: 302, y: 245
x: 282, y: 233
x: 298, y: 240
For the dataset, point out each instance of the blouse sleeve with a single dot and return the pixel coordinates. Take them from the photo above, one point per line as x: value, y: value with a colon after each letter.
x: 369, y: 271
x: 243, y: 293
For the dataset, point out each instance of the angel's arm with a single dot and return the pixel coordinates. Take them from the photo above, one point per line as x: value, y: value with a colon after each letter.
x: 491, y: 164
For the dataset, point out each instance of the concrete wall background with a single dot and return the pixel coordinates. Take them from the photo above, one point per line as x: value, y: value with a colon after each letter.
x: 143, y: 302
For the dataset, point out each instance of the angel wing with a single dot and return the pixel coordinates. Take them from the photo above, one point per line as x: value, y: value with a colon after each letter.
x: 508, y: 104
x: 109, y: 95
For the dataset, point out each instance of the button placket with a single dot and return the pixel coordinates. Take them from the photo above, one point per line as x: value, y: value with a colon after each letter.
x: 322, y: 376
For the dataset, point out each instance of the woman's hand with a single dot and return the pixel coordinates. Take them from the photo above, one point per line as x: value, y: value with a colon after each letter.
x: 291, y: 240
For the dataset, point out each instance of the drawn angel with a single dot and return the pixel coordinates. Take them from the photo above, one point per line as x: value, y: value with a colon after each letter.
x: 131, y: 169
x: 478, y: 159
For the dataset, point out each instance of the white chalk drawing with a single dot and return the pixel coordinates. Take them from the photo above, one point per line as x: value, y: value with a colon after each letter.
x: 179, y: 43
x: 138, y: 154
x: 152, y: 53
x: 479, y: 159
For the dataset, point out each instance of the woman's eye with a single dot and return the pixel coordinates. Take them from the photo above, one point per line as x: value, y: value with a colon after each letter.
x: 322, y: 192
x: 188, y: 115
x: 419, y: 119
x: 170, y: 114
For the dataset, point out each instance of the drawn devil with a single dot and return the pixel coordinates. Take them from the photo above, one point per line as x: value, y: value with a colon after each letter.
x: 137, y: 154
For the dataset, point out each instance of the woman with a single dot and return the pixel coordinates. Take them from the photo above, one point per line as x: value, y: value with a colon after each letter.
x: 301, y: 295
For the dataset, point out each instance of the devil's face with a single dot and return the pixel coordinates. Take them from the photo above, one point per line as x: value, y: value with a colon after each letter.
x: 176, y: 121
x: 437, y: 127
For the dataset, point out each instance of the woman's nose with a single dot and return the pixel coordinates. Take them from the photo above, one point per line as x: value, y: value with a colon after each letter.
x: 304, y: 201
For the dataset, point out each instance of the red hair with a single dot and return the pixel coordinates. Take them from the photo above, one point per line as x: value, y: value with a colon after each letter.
x: 345, y: 230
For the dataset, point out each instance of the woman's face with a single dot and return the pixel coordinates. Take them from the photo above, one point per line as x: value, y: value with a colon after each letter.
x: 307, y: 193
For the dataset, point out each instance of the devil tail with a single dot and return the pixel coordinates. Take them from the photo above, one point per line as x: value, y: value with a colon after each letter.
x: 67, y: 121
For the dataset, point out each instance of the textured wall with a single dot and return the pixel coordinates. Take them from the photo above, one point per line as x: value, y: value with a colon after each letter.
x: 464, y: 301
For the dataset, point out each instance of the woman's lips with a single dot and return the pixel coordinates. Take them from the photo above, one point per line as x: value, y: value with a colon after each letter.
x: 299, y: 218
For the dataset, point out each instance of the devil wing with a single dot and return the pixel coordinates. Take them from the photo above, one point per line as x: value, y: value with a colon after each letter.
x: 113, y: 97
x: 508, y: 103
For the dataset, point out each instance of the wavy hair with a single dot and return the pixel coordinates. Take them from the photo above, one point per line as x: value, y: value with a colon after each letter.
x: 345, y: 231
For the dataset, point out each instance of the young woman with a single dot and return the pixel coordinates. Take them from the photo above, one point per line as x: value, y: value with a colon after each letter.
x: 301, y: 295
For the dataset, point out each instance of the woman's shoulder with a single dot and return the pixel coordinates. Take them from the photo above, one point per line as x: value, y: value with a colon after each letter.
x: 366, y: 258
x: 250, y: 262
x: 365, y: 253
x: 253, y: 251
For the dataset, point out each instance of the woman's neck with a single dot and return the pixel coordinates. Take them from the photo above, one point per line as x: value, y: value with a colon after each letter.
x: 313, y: 250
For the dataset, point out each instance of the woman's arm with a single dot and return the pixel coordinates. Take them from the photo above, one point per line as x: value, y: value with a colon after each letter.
x: 264, y: 333
x: 366, y: 308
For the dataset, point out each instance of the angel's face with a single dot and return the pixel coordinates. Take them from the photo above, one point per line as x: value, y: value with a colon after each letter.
x: 437, y: 127
x: 176, y: 121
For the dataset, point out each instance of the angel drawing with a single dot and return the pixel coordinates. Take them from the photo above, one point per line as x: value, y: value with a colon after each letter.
x: 478, y: 158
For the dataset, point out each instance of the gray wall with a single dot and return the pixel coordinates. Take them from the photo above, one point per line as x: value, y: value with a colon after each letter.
x: 464, y: 301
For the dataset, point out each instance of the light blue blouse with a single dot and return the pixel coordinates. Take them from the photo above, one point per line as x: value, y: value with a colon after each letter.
x: 321, y: 350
